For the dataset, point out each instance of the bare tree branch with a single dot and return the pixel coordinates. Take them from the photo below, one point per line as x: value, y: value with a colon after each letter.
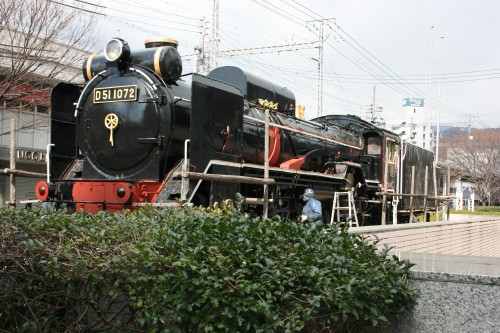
x: 41, y: 42
x: 477, y: 159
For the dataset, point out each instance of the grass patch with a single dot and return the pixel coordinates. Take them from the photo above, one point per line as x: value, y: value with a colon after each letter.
x: 479, y: 210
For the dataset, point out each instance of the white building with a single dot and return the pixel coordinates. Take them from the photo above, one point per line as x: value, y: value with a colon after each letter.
x: 414, y: 125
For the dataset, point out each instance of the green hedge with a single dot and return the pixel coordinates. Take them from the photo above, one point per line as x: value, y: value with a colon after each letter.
x: 190, y: 270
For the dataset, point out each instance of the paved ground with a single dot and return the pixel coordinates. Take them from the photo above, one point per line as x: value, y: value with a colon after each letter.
x: 457, y: 272
x: 452, y: 264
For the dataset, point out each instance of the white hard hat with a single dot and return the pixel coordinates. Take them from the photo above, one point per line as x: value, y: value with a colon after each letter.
x: 309, y: 192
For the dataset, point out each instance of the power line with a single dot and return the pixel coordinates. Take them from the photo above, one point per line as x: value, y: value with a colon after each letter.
x: 399, y: 79
x: 126, y: 22
x: 402, y: 81
x: 77, y: 8
x: 444, y: 74
x: 293, y: 11
x: 290, y: 5
x: 90, y: 3
x: 293, y: 19
x: 155, y: 10
x: 315, y: 14
x: 150, y: 17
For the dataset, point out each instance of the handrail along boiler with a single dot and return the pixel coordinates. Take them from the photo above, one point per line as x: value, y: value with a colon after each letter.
x: 122, y: 146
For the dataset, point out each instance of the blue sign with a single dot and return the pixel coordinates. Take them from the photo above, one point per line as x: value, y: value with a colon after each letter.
x: 415, y: 102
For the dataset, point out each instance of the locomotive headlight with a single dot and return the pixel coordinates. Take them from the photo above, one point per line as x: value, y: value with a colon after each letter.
x: 116, y: 49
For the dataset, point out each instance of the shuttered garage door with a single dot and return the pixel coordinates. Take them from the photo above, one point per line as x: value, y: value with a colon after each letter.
x: 25, y: 188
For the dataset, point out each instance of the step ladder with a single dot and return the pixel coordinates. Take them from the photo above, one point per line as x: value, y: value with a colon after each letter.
x: 351, y: 208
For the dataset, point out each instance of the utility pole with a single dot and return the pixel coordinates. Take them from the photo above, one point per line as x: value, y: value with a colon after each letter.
x: 374, y: 106
x: 207, y: 53
x: 373, y: 113
x: 320, y: 26
x: 439, y: 103
x: 201, y: 63
x: 428, y: 132
x: 213, y: 44
x: 369, y: 114
x: 470, y: 127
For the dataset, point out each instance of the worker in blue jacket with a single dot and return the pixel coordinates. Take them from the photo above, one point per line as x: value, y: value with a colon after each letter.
x: 312, y: 212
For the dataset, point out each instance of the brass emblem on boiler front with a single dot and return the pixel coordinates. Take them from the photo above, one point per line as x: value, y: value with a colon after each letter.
x: 111, y: 122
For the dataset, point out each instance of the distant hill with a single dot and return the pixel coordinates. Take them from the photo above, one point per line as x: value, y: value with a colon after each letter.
x: 450, y: 130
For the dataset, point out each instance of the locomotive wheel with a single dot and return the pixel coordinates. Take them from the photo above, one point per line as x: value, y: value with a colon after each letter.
x: 283, y: 204
x: 280, y: 207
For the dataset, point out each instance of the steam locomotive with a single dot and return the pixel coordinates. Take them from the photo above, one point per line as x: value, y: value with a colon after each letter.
x: 141, y: 133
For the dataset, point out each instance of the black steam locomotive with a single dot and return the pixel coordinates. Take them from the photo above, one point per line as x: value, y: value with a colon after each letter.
x: 138, y: 133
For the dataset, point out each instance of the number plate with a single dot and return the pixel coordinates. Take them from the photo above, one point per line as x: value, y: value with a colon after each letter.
x: 115, y: 94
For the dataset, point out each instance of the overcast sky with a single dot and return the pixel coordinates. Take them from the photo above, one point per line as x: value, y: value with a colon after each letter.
x: 381, y: 43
